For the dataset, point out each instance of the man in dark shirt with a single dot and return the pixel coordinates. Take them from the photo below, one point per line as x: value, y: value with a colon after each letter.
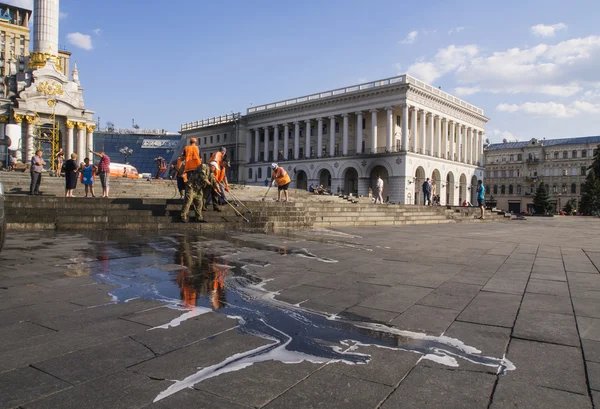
x: 103, y: 171
x: 426, y: 192
x: 37, y: 166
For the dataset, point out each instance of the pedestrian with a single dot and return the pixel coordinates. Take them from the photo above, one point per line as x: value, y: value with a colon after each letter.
x: 220, y: 157
x: 179, y: 173
x: 379, y: 190
x: 481, y: 198
x: 103, y: 171
x: 87, y: 177
x: 11, y: 163
x: 71, y: 169
x: 199, y: 181
x: 426, y: 192
x: 213, y: 195
x: 192, y: 159
x: 37, y: 166
x: 266, y: 181
x: 60, y: 159
x: 282, y: 180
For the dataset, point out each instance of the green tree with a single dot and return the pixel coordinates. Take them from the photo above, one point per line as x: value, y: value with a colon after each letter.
x: 595, y: 167
x: 571, y: 206
x: 589, y: 204
x: 541, y: 201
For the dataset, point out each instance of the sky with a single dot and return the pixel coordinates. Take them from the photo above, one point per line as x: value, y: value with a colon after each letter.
x: 532, y: 66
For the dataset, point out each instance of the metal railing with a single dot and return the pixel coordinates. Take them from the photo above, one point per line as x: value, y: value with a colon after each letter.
x: 217, y: 120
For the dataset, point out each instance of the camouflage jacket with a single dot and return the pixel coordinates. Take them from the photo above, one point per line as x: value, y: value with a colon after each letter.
x: 201, y: 178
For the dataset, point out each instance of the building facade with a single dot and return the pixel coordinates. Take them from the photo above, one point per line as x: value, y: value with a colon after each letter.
x: 42, y: 107
x: 515, y: 169
x: 398, y: 128
x: 14, y: 38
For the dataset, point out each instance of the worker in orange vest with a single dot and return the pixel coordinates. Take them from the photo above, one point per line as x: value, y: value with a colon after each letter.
x: 220, y: 157
x: 192, y: 157
x: 281, y: 179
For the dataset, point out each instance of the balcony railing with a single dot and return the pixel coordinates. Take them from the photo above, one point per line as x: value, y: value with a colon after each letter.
x: 534, y: 160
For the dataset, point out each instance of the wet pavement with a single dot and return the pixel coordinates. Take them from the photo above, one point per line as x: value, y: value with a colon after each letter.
x: 457, y: 316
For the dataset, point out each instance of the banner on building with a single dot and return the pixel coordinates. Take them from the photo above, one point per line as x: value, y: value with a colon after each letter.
x: 159, y: 144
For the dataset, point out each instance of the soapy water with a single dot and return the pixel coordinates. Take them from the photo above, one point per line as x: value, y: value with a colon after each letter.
x: 188, y: 275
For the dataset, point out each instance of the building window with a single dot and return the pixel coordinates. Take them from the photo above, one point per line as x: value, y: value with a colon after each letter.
x: 546, y: 172
x: 259, y: 173
x: 495, y: 189
x: 224, y: 137
x: 511, y: 158
x: 301, y: 133
x: 312, y: 131
x: 250, y: 173
x: 503, y: 190
x: 584, y: 153
x: 565, y: 155
x: 218, y: 138
x: 398, y: 120
x: 573, y: 188
x: 518, y: 189
x: 554, y: 189
x: 324, y: 129
x: 301, y: 152
x: 205, y: 140
x: 364, y: 124
x: 555, y: 155
x: 564, y: 188
x: 511, y: 173
x: 510, y: 189
x: 555, y: 172
x: 584, y: 171
x: 337, y: 127
x: 519, y: 156
x: 530, y: 156
x: 532, y: 188
x: 595, y: 152
x: 574, y: 154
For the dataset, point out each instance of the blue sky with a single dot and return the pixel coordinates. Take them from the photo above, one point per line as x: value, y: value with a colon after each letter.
x: 533, y: 66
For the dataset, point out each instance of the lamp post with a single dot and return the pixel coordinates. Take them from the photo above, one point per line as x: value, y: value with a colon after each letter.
x: 127, y: 152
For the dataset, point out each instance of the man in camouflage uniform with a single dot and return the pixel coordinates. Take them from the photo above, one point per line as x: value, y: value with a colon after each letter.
x: 200, y: 183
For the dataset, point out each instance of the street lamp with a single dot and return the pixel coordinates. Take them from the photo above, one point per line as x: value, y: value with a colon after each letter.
x: 127, y: 152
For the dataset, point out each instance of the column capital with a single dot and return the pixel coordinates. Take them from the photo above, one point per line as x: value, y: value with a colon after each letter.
x: 274, y: 126
x: 90, y: 128
x: 296, y: 123
x: 373, y: 111
x: 80, y: 126
x: 345, y: 115
x: 30, y: 119
x: 358, y: 113
x: 320, y: 119
x: 389, y: 108
x: 70, y: 124
x: 332, y: 117
x: 3, y: 119
x: 18, y: 118
x: 308, y: 121
x: 431, y: 114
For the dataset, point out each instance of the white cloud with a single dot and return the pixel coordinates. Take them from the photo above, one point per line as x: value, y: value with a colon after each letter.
x: 410, y: 38
x: 97, y: 31
x: 455, y: 30
x: 497, y: 136
x: 446, y: 60
x: 552, y: 109
x: 465, y: 91
x: 63, y: 15
x: 80, y: 40
x: 542, y: 30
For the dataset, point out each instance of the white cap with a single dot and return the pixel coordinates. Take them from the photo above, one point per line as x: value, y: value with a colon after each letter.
x: 215, y: 164
x: 274, y: 165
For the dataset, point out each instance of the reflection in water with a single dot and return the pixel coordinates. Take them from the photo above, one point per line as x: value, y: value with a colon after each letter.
x: 202, y: 280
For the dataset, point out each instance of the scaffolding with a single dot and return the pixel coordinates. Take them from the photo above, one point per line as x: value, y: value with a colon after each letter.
x: 48, y: 136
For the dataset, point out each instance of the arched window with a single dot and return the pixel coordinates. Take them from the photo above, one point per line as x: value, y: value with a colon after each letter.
x: 495, y: 189
x: 573, y: 188
x: 565, y: 155
x: 564, y: 188
x: 259, y: 173
x: 574, y: 154
x: 503, y: 190
x: 250, y: 173
x: 554, y: 189
x: 518, y: 189
x: 584, y: 153
x: 510, y: 189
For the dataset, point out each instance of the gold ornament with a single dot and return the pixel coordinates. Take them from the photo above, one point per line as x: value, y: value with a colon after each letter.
x: 71, y: 124
x: 3, y: 119
x: 30, y: 119
x: 38, y: 60
x: 50, y: 88
x: 90, y: 128
x: 51, y: 103
x: 18, y: 118
x: 80, y: 125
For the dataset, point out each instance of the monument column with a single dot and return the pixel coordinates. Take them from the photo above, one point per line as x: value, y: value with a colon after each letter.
x: 45, y: 32
x: 286, y: 142
x: 80, y: 141
x: 89, y: 141
x: 332, y: 136
x: 319, y: 137
x: 359, y: 132
x: 345, y: 135
x: 70, y: 145
x: 373, y: 131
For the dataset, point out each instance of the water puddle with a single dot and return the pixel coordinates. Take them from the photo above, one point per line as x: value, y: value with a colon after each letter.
x: 188, y: 274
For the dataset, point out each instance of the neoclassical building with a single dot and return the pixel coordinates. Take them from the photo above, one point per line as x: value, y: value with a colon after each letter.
x: 42, y: 107
x: 400, y: 128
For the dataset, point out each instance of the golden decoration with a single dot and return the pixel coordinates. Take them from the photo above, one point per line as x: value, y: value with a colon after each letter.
x: 50, y: 88
x: 3, y: 119
x: 80, y: 125
x: 90, y: 128
x: 38, y: 60
x: 71, y: 124
x: 30, y: 119
x: 51, y: 103
x: 18, y: 118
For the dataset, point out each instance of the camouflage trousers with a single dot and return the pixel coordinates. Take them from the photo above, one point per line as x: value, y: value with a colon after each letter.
x: 192, y: 196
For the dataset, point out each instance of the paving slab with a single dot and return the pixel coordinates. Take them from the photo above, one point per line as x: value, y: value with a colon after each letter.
x: 192, y: 398
x: 511, y: 395
x: 542, y: 286
x: 496, y: 309
x: 548, y: 303
x: 365, y: 314
x: 589, y: 328
x: 12, y: 336
x: 25, y: 385
x: 437, y: 388
x: 593, y: 373
x: 432, y: 320
x: 398, y: 298
x: 591, y: 350
x: 586, y: 307
x: 546, y: 327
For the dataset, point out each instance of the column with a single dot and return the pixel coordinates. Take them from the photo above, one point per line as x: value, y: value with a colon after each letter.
x: 359, y: 132
x: 389, y: 115
x: 286, y: 143
x: 445, y: 147
x: 422, y: 133
x: 345, y: 135
x: 459, y: 143
x: 319, y: 137
x: 275, y: 143
x: 470, y: 160
x: 296, y: 140
x: 430, y: 136
x: 248, y: 146
x: 463, y: 133
x: 373, y: 131
x: 307, y: 132
x: 89, y: 140
x: 266, y: 145
x: 331, y: 136
x: 80, y: 141
x: 452, y: 127
x: 438, y: 135
x: 404, y: 128
x: 256, y: 145
x: 29, y: 147
x: 481, y: 158
x: 70, y: 145
x: 413, y: 129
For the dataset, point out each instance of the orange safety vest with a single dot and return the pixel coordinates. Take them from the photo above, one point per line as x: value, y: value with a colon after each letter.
x: 192, y: 158
x: 281, y: 176
x: 178, y: 167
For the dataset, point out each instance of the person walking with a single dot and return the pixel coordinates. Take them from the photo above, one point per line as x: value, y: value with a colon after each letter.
x: 200, y: 180
x: 427, y: 192
x: 71, y: 169
x: 481, y: 198
x: 60, y: 159
x: 179, y: 173
x: 37, y: 166
x: 87, y: 177
x: 192, y: 159
x: 103, y: 171
x: 282, y: 180
x: 379, y: 190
